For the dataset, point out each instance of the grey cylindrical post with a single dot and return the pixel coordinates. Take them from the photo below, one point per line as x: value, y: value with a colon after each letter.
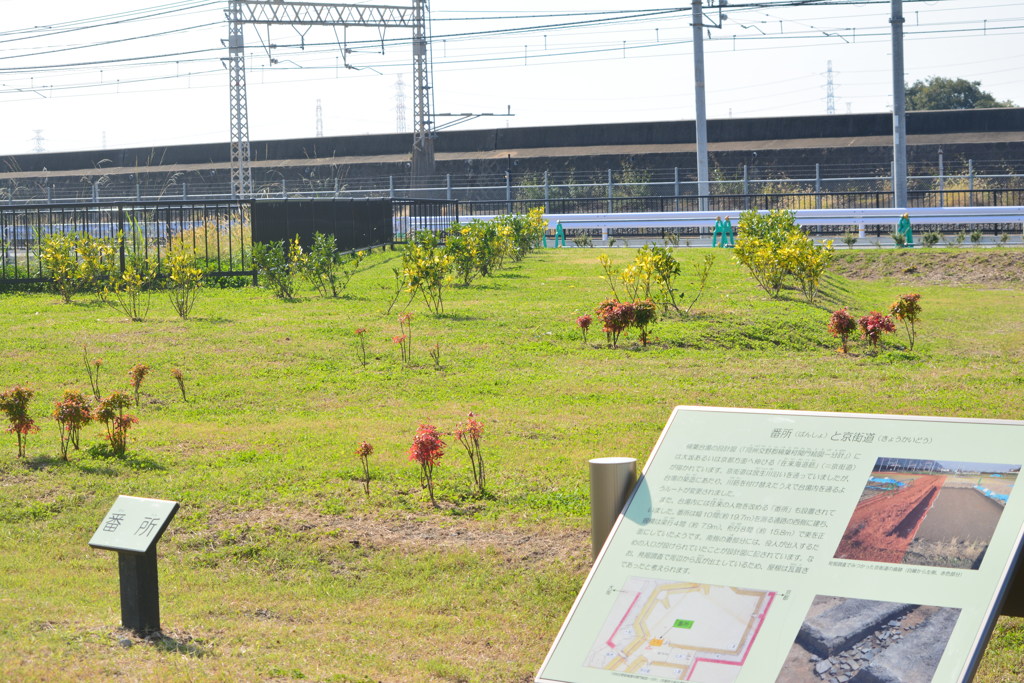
x: 611, y: 482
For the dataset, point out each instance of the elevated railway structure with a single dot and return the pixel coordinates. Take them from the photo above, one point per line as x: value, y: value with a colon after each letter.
x: 822, y: 154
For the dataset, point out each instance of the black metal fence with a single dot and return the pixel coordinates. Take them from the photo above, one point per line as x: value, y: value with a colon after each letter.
x: 219, y: 233
x: 414, y: 215
x: 743, y: 202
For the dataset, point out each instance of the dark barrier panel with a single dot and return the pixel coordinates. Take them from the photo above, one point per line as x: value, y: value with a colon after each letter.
x: 355, y: 223
x: 495, y: 140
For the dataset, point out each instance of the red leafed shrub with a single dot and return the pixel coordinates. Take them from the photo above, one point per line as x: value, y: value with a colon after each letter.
x: 427, y: 449
x: 615, y: 317
x: 874, y: 325
x: 364, y: 450
x: 842, y: 325
x: 71, y: 413
x: 469, y: 435
x: 583, y: 322
x: 14, y: 403
x: 908, y: 310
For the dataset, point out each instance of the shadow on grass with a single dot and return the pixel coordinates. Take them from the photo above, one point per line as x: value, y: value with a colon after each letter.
x: 106, y: 456
x: 176, y: 644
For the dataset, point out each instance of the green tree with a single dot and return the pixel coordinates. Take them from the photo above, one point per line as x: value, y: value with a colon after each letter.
x: 950, y: 93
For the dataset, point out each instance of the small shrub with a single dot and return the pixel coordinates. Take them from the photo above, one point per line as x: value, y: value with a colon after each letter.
x: 427, y: 450
x: 849, y: 239
x: 582, y: 240
x: 401, y: 341
x: 92, y: 368
x: 583, y: 322
x: 873, y: 326
x: 361, y: 336
x: 435, y: 354
x: 60, y: 262
x: 907, y: 309
x: 931, y: 238
x: 327, y: 270
x: 14, y: 404
x: 111, y: 413
x: 645, y: 313
x: 364, y: 450
x: 405, y: 323
x: 469, y: 435
x: 184, y: 281
x: 135, y: 377
x: 427, y: 270
x: 615, y: 318
x: 976, y: 236
x: 273, y: 269
x: 842, y: 325
x: 130, y: 292
x: 71, y: 413
x: 179, y: 377
x: 899, y: 239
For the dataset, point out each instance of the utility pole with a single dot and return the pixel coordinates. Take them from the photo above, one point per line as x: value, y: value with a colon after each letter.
x: 899, y: 109
x: 702, y: 117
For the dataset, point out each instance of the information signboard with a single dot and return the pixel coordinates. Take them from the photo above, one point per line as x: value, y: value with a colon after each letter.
x: 134, y: 524
x: 787, y: 546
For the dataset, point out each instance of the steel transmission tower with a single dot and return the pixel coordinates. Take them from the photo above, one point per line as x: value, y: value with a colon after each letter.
x: 423, y: 96
x: 276, y: 12
x: 830, y: 92
x: 241, y: 173
x: 401, y: 124
x: 319, y: 119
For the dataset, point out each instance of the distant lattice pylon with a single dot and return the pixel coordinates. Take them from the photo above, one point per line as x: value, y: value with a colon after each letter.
x: 401, y: 121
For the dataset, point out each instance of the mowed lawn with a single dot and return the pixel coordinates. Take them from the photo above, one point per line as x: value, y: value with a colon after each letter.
x: 279, y: 566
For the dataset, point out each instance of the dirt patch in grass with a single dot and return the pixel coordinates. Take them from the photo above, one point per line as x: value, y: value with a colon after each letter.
x: 528, y: 546
x: 984, y: 267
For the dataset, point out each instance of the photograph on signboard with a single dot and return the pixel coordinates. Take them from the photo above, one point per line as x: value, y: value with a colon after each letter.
x: 680, y: 631
x: 845, y: 639
x: 935, y: 513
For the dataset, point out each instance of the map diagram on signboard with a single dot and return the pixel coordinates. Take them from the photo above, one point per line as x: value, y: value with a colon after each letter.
x: 680, y: 631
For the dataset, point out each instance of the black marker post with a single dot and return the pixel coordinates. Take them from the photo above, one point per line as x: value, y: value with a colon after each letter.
x: 132, y: 528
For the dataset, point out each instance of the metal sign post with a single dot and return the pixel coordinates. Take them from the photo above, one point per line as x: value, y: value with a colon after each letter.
x: 132, y: 528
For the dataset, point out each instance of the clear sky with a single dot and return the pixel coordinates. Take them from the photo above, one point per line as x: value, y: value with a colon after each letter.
x: 150, y: 73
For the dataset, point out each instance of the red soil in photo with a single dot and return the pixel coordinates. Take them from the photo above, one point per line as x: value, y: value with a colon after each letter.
x: 882, y: 527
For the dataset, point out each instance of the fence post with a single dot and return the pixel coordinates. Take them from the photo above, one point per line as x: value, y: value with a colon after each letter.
x: 49, y: 194
x: 942, y: 182
x: 508, y: 191
x: 970, y: 181
x: 547, y: 188
x: 391, y: 186
x: 746, y: 189
x: 284, y: 189
x: 448, y: 186
x: 817, y: 186
x: 675, y: 182
x: 95, y: 191
x: 138, y: 192
x: 184, y: 190
x: 611, y: 190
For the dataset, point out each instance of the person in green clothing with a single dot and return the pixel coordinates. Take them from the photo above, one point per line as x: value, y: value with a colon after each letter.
x: 904, y: 229
x: 723, y: 231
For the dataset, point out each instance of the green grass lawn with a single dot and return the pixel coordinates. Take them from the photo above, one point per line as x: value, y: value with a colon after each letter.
x: 279, y: 567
